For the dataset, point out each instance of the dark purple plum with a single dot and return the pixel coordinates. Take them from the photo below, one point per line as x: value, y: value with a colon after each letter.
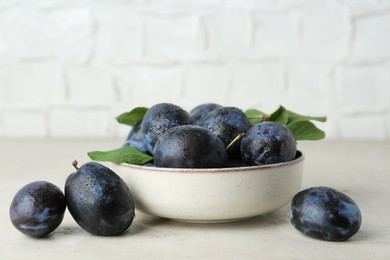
x: 136, y: 138
x: 38, y: 209
x: 99, y: 200
x: 268, y: 143
x: 159, y: 118
x: 189, y: 146
x: 227, y: 123
x: 199, y: 112
x: 325, y: 213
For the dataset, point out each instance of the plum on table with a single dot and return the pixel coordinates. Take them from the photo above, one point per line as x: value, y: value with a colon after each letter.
x: 38, y: 208
x: 99, y: 200
x: 325, y: 213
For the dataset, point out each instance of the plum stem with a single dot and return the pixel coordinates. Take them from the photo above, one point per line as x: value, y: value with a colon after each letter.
x: 261, y: 117
x: 74, y: 163
x: 238, y: 137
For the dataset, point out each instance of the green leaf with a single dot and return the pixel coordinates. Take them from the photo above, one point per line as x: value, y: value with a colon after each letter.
x: 255, y: 116
x: 280, y: 116
x: 305, y: 130
x: 294, y: 117
x: 300, y: 125
x: 126, y: 154
x: 133, y: 117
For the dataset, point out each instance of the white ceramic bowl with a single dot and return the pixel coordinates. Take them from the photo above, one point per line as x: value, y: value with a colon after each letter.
x: 212, y: 195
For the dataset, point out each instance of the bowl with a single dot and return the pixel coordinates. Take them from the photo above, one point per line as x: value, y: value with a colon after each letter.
x: 212, y: 195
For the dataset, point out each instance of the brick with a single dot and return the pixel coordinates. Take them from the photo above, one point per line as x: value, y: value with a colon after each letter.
x: 33, y: 33
x: 28, y: 32
x: 294, y: 3
x: 275, y: 34
x: 369, y: 127
x: 145, y: 85
x: 24, y: 124
x: 90, y: 85
x: 325, y: 32
x: 362, y: 7
x: 173, y: 37
x: 32, y: 84
x: 257, y: 84
x: 86, y: 122
x: 308, y: 87
x: 174, y: 7
x: 119, y: 36
x: 58, y: 4
x: 206, y: 83
x: 229, y: 34
x: 363, y: 88
x: 372, y: 39
x: 4, y: 52
x: 253, y: 4
x: 76, y: 26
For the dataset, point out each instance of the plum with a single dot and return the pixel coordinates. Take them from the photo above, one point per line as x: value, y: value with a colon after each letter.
x: 227, y: 123
x: 199, y: 112
x: 38, y: 208
x: 189, y: 146
x: 135, y: 138
x: 158, y: 119
x: 268, y: 143
x: 99, y: 200
x: 325, y: 213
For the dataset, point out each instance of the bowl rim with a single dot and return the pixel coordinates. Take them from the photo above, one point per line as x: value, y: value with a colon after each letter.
x: 299, y: 157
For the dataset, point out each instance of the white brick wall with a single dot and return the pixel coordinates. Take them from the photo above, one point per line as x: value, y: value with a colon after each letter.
x: 258, y: 84
x: 372, y: 38
x: 24, y: 123
x: 325, y: 31
x: 228, y: 34
x: 201, y: 81
x: 32, y: 84
x: 118, y: 35
x: 363, y: 88
x: 89, y: 85
x: 275, y: 34
x: 67, y: 68
x: 184, y: 42
x: 76, y: 121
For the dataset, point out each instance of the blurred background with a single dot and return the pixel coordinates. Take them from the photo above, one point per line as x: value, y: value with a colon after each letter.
x: 69, y: 67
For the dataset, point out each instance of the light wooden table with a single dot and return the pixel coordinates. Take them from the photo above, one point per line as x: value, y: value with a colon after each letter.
x: 359, y: 169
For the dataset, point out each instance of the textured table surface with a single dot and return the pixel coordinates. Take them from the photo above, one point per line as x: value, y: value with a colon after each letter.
x: 359, y: 169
